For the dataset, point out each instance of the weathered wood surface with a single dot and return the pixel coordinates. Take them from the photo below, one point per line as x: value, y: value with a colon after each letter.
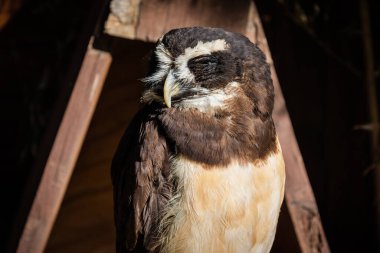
x: 65, y: 151
x: 155, y: 17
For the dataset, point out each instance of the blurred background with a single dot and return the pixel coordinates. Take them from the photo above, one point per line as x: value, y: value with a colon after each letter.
x: 327, y: 59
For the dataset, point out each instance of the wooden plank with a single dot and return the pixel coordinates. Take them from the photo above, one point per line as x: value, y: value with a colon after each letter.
x: 65, y: 87
x: 65, y: 151
x: 185, y: 13
x: 157, y: 17
x: 299, y: 195
x: 79, y: 228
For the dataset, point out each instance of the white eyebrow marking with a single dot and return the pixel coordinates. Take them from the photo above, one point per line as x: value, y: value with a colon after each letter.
x: 202, y: 48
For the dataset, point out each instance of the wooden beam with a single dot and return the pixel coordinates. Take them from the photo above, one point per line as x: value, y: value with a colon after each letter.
x: 299, y: 195
x: 153, y: 18
x: 65, y: 151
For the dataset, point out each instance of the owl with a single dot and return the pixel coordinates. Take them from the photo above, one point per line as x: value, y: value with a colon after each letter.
x: 200, y: 168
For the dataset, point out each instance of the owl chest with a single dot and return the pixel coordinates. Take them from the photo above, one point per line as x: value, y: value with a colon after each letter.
x: 231, y: 209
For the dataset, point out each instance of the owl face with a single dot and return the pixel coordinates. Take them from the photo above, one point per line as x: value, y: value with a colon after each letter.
x: 194, y: 67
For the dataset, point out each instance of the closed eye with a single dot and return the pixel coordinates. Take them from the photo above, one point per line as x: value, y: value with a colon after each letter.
x: 203, y: 60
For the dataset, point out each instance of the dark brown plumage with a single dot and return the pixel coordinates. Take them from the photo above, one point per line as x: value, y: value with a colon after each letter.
x: 222, y: 101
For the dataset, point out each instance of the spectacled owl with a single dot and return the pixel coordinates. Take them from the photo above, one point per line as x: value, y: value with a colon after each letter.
x: 200, y: 169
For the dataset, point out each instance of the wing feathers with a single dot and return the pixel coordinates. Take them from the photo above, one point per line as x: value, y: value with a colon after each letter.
x: 141, y: 188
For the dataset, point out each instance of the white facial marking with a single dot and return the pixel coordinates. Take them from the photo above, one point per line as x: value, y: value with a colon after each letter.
x: 182, y: 71
x: 202, y: 48
x: 164, y: 61
x: 210, y: 100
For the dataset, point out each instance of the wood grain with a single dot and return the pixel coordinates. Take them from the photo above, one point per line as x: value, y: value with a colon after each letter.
x: 65, y: 151
x: 156, y: 17
x: 299, y: 195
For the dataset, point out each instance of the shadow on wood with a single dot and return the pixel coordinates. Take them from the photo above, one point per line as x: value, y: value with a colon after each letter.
x: 85, y: 221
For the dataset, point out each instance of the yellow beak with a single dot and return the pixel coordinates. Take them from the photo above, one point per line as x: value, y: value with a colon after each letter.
x: 171, y: 88
x: 167, y: 92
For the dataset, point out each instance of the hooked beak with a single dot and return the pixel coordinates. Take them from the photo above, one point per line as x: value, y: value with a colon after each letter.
x: 171, y: 88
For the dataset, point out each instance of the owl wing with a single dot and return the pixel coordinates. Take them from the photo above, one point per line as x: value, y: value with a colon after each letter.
x: 141, y: 187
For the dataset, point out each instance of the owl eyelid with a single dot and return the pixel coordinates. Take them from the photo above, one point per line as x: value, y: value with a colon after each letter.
x: 203, y: 59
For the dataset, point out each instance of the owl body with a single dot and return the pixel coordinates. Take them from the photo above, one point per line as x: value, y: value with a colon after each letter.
x: 200, y: 168
x: 233, y: 209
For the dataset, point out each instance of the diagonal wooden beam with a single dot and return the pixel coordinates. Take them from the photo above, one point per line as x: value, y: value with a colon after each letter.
x: 65, y: 151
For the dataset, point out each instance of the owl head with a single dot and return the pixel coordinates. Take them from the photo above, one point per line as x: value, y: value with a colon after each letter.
x: 201, y: 67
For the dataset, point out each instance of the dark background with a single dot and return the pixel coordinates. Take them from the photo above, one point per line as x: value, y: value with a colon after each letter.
x: 318, y: 53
